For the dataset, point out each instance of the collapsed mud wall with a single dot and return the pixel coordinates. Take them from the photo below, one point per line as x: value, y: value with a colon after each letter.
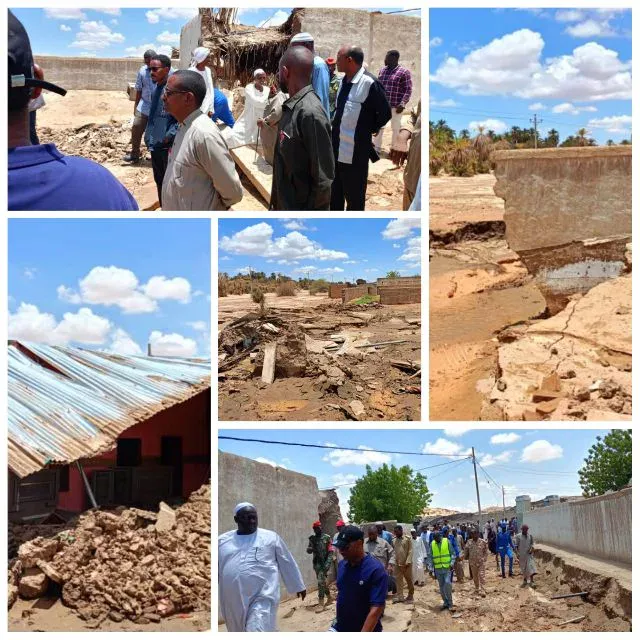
x: 287, y: 503
x: 597, y: 527
x: 353, y: 293
x: 329, y: 510
x: 567, y: 215
x: 403, y: 281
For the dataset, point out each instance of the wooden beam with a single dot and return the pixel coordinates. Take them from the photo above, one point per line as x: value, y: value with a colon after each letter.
x: 256, y: 168
x: 269, y: 364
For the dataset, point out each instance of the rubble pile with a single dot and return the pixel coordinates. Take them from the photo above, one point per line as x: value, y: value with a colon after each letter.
x: 99, y: 142
x: 354, y: 372
x: 129, y: 563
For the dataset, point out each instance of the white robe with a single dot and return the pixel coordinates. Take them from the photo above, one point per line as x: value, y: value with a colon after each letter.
x: 249, y: 570
x: 245, y: 130
x: 207, y: 103
x: 419, y: 554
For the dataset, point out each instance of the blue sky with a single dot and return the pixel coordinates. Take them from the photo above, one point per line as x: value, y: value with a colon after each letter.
x: 111, y: 284
x: 335, y: 249
x: 115, y: 33
x: 534, y: 462
x: 572, y: 67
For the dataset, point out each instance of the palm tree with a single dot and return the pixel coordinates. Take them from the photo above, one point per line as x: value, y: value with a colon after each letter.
x: 464, y: 134
x: 582, y: 137
x: 552, y: 139
x: 610, y: 142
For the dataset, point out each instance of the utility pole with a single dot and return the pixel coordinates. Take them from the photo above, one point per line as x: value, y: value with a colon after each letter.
x: 504, y: 509
x: 475, y: 473
x: 536, y: 122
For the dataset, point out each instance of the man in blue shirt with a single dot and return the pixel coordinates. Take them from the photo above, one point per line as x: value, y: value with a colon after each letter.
x: 383, y: 533
x: 40, y: 177
x: 504, y: 545
x: 161, y: 126
x: 362, y: 585
x: 320, y: 76
x: 145, y: 87
x: 221, y: 109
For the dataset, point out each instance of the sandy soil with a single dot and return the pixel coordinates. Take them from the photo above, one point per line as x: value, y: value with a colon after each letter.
x: 48, y: 614
x: 455, y: 202
x: 321, y: 385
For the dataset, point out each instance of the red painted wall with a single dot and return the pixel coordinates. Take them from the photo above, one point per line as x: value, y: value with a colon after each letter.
x: 190, y: 420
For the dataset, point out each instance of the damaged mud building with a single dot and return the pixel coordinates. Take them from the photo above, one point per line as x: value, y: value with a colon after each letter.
x: 343, y: 359
x: 100, y: 446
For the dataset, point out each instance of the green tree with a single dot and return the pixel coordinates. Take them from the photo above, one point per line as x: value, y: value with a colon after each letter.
x: 608, y: 467
x: 393, y: 274
x: 389, y: 493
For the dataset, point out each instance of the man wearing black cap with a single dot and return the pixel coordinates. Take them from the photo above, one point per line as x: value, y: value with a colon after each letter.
x: 362, y: 585
x: 40, y: 177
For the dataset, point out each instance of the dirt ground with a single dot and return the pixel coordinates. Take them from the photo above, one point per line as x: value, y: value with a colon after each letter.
x: 322, y: 370
x: 97, y: 125
x: 506, y: 607
x: 49, y: 614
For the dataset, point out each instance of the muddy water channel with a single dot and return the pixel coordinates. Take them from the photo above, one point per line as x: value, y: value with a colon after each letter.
x: 476, y: 290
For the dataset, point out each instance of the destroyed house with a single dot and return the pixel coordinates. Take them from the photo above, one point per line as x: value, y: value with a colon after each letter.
x: 89, y: 426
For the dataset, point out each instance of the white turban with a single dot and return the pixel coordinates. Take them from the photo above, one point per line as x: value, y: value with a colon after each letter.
x: 257, y: 72
x: 302, y: 37
x: 200, y: 55
x: 242, y: 505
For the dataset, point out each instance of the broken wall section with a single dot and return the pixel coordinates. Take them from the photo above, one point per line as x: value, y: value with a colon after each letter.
x: 596, y: 527
x: 399, y: 295
x: 567, y: 215
x: 101, y: 74
x: 287, y: 503
x: 353, y: 293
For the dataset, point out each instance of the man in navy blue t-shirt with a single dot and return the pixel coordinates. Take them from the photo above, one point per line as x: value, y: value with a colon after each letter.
x: 362, y: 585
x: 40, y: 177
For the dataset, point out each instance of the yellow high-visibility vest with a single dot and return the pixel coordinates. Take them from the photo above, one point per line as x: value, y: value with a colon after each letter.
x: 441, y: 556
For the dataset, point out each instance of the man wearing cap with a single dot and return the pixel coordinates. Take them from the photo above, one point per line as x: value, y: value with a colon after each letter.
x: 334, y: 86
x: 250, y: 564
x: 320, y: 76
x: 362, y: 585
x: 362, y: 110
x: 145, y: 87
x: 396, y: 81
x: 41, y: 178
x: 476, y: 552
x: 320, y: 546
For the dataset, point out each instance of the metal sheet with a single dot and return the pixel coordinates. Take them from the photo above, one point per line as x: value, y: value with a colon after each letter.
x: 67, y: 403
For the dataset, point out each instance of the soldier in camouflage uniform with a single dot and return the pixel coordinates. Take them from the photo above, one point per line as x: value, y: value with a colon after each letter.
x: 322, y: 550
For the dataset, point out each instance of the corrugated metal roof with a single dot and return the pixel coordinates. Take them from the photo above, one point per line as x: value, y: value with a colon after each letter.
x: 67, y: 403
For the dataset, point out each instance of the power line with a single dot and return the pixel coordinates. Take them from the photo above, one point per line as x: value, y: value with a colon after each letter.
x: 537, y: 473
x: 506, y: 116
x: 337, y: 448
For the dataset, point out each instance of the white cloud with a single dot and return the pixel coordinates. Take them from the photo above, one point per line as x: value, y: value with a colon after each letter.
x: 65, y: 14
x: 258, y: 240
x: 487, y: 459
x: 435, y: 42
x: 513, y: 65
x: 591, y: 29
x: 455, y: 432
x: 317, y: 270
x: 198, y: 325
x: 113, y: 21
x: 138, y: 52
x: 490, y: 123
x: 124, y: 344
x: 166, y: 37
x: 28, y: 323
x: 294, y: 224
x: 172, y: 344
x: 343, y: 478
x: 444, y: 447
x: 569, y: 15
x: 505, y: 438
x: 162, y: 288
x: 400, y: 228
x: 64, y: 27
x: 395, y: 245
x: 268, y: 461
x: 350, y: 262
x: 568, y: 107
x: 443, y: 103
x: 541, y: 450
x: 155, y: 15
x: 278, y: 18
x: 109, y: 12
x: 411, y: 254
x: 95, y: 35
x: 537, y: 106
x: 30, y: 272
x: 613, y: 124
x: 342, y: 457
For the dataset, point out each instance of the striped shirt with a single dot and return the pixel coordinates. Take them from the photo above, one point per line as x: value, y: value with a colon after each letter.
x: 397, y: 85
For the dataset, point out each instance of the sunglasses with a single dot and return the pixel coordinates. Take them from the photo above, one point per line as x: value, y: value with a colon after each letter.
x: 170, y: 92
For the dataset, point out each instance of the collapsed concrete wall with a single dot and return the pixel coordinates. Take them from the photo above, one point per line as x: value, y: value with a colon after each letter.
x: 287, y: 503
x: 597, y: 527
x: 329, y: 510
x: 399, y: 295
x: 103, y: 74
x: 567, y: 215
x: 375, y: 32
x: 353, y: 293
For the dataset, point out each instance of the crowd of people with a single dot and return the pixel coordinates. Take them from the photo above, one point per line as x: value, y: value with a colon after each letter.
x: 251, y: 562
x: 319, y: 131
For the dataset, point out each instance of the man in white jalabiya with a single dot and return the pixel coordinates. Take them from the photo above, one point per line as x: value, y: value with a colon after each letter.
x: 245, y: 130
x: 419, y: 556
x: 198, y: 59
x: 250, y: 564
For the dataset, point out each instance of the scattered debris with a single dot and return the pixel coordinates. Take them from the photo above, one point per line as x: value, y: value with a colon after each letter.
x: 570, y: 595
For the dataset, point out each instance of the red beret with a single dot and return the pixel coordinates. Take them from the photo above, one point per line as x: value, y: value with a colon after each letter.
x: 317, y: 523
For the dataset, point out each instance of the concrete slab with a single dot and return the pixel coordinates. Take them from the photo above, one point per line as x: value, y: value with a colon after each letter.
x: 255, y: 167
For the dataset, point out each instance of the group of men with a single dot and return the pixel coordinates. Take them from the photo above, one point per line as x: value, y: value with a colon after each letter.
x: 326, y: 130
x: 252, y: 560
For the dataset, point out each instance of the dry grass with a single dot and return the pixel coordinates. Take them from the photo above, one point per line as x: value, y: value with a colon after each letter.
x: 286, y: 288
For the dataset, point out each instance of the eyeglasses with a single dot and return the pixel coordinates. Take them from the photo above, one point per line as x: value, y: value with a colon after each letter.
x: 170, y: 92
x: 155, y: 68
